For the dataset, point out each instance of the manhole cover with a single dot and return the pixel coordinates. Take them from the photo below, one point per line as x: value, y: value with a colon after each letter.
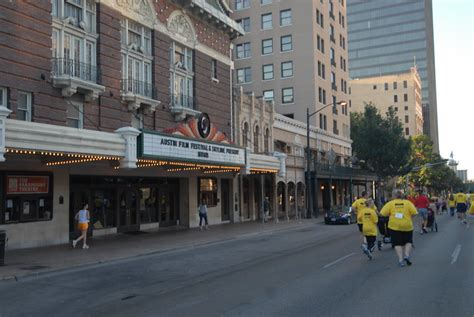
x: 35, y: 267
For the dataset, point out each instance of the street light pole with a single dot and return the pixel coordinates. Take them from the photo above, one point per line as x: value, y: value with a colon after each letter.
x: 309, y: 184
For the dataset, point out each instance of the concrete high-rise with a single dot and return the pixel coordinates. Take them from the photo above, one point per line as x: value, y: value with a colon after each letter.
x: 389, y: 37
x: 295, y: 53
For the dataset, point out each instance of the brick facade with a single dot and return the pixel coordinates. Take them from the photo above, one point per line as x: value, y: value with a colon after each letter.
x: 25, y: 64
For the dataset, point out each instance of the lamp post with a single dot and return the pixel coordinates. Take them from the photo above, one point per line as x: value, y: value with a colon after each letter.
x: 308, y: 158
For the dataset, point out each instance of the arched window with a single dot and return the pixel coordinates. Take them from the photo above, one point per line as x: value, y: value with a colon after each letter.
x: 256, y: 132
x: 266, y: 141
x: 245, y: 135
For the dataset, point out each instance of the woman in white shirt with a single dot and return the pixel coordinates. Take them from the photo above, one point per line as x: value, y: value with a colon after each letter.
x: 82, y: 218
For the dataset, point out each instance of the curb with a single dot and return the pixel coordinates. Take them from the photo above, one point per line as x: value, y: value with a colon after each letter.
x: 184, y: 248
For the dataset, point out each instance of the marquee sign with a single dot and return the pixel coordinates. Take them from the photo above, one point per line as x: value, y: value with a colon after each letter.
x: 168, y: 147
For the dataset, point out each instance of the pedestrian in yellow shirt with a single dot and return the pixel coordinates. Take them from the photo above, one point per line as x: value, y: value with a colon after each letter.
x: 451, y: 204
x: 359, y: 204
x: 461, y: 205
x: 400, y: 212
x: 369, y: 226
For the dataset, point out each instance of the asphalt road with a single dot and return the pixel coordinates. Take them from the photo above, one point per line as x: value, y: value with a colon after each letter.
x: 313, y: 271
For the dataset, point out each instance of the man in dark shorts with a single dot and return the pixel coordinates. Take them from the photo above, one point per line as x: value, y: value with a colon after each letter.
x: 400, y: 212
x: 461, y: 205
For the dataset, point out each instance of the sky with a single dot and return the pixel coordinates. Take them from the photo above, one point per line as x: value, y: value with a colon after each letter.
x: 454, y: 60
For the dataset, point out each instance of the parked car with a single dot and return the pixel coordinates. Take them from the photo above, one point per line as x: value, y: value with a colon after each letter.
x: 340, y: 214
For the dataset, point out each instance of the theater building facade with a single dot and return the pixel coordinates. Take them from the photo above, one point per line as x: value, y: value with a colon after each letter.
x: 121, y: 104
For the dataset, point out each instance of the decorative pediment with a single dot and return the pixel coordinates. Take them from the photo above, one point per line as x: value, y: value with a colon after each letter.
x: 192, y: 128
x: 181, y: 25
x: 141, y: 11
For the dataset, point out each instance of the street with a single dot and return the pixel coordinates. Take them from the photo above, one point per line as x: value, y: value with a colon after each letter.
x: 311, y: 271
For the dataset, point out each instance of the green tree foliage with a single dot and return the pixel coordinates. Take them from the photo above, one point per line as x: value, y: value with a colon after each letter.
x: 379, y: 142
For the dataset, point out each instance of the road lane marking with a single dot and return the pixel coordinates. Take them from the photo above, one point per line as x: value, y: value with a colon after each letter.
x: 338, y: 260
x: 455, y: 254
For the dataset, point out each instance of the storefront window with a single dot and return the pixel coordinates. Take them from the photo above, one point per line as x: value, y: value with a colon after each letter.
x: 208, y: 191
x: 26, y: 198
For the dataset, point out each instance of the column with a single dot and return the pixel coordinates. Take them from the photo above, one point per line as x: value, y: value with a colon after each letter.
x: 287, y: 202
x: 274, y: 200
x: 130, y: 156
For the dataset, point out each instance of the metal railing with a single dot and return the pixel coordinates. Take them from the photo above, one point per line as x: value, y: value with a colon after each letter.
x: 75, y: 68
x: 183, y: 100
x: 137, y: 87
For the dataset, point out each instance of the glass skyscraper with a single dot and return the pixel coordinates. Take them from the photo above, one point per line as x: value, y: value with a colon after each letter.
x: 391, y: 36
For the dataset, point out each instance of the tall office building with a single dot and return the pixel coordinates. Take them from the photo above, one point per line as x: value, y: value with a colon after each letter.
x: 389, y: 37
x: 295, y: 53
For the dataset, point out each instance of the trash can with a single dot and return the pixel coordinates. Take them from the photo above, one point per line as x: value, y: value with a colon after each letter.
x: 3, y: 243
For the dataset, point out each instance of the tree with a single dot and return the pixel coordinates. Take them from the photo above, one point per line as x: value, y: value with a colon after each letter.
x: 379, y: 142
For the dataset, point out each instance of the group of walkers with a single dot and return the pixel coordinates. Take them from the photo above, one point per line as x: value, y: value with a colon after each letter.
x: 400, y: 212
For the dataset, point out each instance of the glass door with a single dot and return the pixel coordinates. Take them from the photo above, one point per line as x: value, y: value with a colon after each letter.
x: 225, y: 199
x: 128, y: 210
x: 168, y: 206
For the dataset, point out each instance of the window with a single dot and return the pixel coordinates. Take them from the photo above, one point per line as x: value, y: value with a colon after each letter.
x: 395, y: 98
x: 208, y: 191
x: 214, y: 69
x: 333, y: 57
x: 319, y: 18
x: 245, y: 23
x: 267, y: 46
x: 286, y: 43
x: 407, y: 131
x: 242, y: 4
x: 266, y: 21
x: 74, y: 39
x: 20, y: 207
x: 244, y: 75
x: 137, y: 59
x: 268, y: 95
x: 331, y: 33
x: 343, y: 22
x: 266, y: 141
x: 23, y: 110
x: 394, y: 85
x: 182, y: 76
x: 267, y: 72
x: 322, y: 46
x: 3, y: 97
x: 322, y: 96
x: 321, y: 70
x: 405, y: 84
x: 243, y: 50
x: 406, y: 108
x: 287, y: 69
x: 263, y: 2
x: 75, y: 115
x: 323, y: 121
x: 405, y: 97
x: 386, y: 86
x: 256, y: 136
x: 290, y: 115
x: 285, y: 17
x: 406, y: 119
x: 287, y: 95
x: 334, y: 105
x: 335, y: 130
x: 245, y: 135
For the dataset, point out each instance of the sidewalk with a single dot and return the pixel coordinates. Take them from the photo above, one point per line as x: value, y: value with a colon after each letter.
x: 24, y: 262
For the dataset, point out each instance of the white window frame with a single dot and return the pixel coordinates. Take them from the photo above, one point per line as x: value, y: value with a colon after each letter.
x: 289, y: 43
x: 80, y: 109
x: 182, y: 76
x: 4, y: 99
x: 29, y: 100
x: 241, y: 4
x: 265, y: 40
x: 244, y: 70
